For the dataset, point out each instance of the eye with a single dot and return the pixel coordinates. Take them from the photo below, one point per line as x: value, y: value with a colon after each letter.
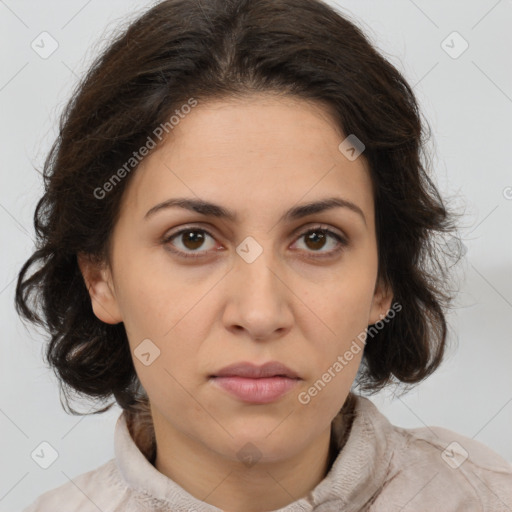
x: 193, y: 238
x: 317, y: 238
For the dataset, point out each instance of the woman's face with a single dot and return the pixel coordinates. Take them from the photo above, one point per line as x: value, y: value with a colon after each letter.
x: 255, y: 288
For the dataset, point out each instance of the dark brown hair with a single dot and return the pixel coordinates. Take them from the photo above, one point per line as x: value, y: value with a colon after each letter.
x: 183, y: 49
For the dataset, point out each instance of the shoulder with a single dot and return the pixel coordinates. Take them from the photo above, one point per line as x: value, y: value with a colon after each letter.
x: 442, y: 470
x: 99, y: 489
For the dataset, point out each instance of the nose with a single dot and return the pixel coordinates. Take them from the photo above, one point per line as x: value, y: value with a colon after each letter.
x: 259, y: 302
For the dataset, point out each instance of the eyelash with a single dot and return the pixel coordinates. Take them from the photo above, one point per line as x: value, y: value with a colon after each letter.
x: 341, y: 240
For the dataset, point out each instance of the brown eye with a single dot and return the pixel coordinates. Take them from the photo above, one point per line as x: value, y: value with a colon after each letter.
x: 189, y: 242
x: 191, y: 239
x: 315, y: 240
x: 318, y: 238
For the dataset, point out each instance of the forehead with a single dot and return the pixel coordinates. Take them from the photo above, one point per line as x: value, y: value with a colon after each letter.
x: 263, y: 152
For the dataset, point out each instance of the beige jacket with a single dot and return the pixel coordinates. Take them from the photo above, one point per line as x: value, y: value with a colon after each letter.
x: 381, y: 468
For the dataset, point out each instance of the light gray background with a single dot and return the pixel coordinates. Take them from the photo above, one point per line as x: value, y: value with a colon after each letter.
x: 468, y: 102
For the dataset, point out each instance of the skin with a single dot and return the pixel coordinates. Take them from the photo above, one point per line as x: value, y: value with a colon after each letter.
x: 259, y: 157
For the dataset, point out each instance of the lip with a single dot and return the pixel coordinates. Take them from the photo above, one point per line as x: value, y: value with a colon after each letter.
x: 256, y: 391
x: 252, y: 371
x: 256, y: 384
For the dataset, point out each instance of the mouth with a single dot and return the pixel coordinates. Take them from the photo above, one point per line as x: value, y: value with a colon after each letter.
x: 256, y: 384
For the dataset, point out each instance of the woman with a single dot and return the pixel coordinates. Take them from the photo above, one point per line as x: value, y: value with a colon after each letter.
x: 237, y: 232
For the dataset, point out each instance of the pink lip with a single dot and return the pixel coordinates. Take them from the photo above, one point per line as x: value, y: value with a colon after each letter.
x: 259, y: 391
x: 250, y: 370
x: 256, y: 384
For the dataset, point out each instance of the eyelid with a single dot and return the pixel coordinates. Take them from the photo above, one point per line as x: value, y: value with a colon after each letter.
x: 320, y: 226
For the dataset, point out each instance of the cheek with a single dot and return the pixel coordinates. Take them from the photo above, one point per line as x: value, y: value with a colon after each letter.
x: 344, y: 305
x: 175, y: 323
x: 350, y: 312
x: 151, y: 298
x: 344, y: 311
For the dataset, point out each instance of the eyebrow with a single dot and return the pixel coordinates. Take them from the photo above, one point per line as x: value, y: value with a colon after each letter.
x: 213, y: 210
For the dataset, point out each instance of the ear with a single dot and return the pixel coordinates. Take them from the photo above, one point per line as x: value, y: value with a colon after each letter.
x: 99, y: 284
x: 381, y: 302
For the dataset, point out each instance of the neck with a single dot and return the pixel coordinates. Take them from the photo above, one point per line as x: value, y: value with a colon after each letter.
x: 235, y: 487
x: 230, y: 485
